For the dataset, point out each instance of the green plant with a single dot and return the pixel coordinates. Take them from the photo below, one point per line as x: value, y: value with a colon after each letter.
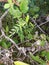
x: 22, y: 22
x: 37, y: 59
x: 22, y: 29
x: 5, y: 44
x: 16, y: 11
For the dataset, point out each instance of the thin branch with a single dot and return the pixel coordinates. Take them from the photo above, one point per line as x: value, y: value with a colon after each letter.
x: 5, y: 13
x: 20, y: 49
x: 37, y: 25
x: 6, y: 37
x: 9, y: 39
x: 43, y: 23
x: 1, y: 18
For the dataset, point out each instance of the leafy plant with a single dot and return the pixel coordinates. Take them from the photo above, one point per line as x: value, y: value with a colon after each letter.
x: 34, y: 9
x: 5, y: 44
x: 17, y: 11
x: 24, y: 6
x: 45, y: 54
x: 37, y: 58
x: 22, y: 29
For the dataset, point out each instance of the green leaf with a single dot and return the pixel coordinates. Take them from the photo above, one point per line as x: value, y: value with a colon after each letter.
x: 47, y: 55
x: 27, y: 18
x: 20, y: 34
x: 32, y: 3
x: 20, y: 63
x: 47, y: 37
x: 4, y: 45
x: 6, y: 6
x: 21, y: 22
x: 44, y: 63
x: 15, y: 12
x: 24, y: 6
x: 8, y: 44
x: 43, y: 53
x: 36, y: 58
x: 42, y: 43
x: 36, y: 9
x: 43, y: 36
x: 30, y: 36
x: 7, y: 29
x: 36, y: 16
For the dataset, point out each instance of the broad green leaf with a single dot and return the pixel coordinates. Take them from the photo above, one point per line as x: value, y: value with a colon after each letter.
x: 4, y: 45
x: 15, y: 12
x: 24, y: 6
x: 6, y: 6
x: 20, y: 63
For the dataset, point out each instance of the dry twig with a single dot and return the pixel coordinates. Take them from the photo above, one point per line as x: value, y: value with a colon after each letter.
x: 37, y: 25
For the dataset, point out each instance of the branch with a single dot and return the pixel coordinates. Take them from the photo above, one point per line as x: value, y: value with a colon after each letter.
x: 9, y: 39
x: 6, y: 37
x: 37, y: 25
x: 1, y: 18
x: 5, y: 13
x: 43, y: 23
